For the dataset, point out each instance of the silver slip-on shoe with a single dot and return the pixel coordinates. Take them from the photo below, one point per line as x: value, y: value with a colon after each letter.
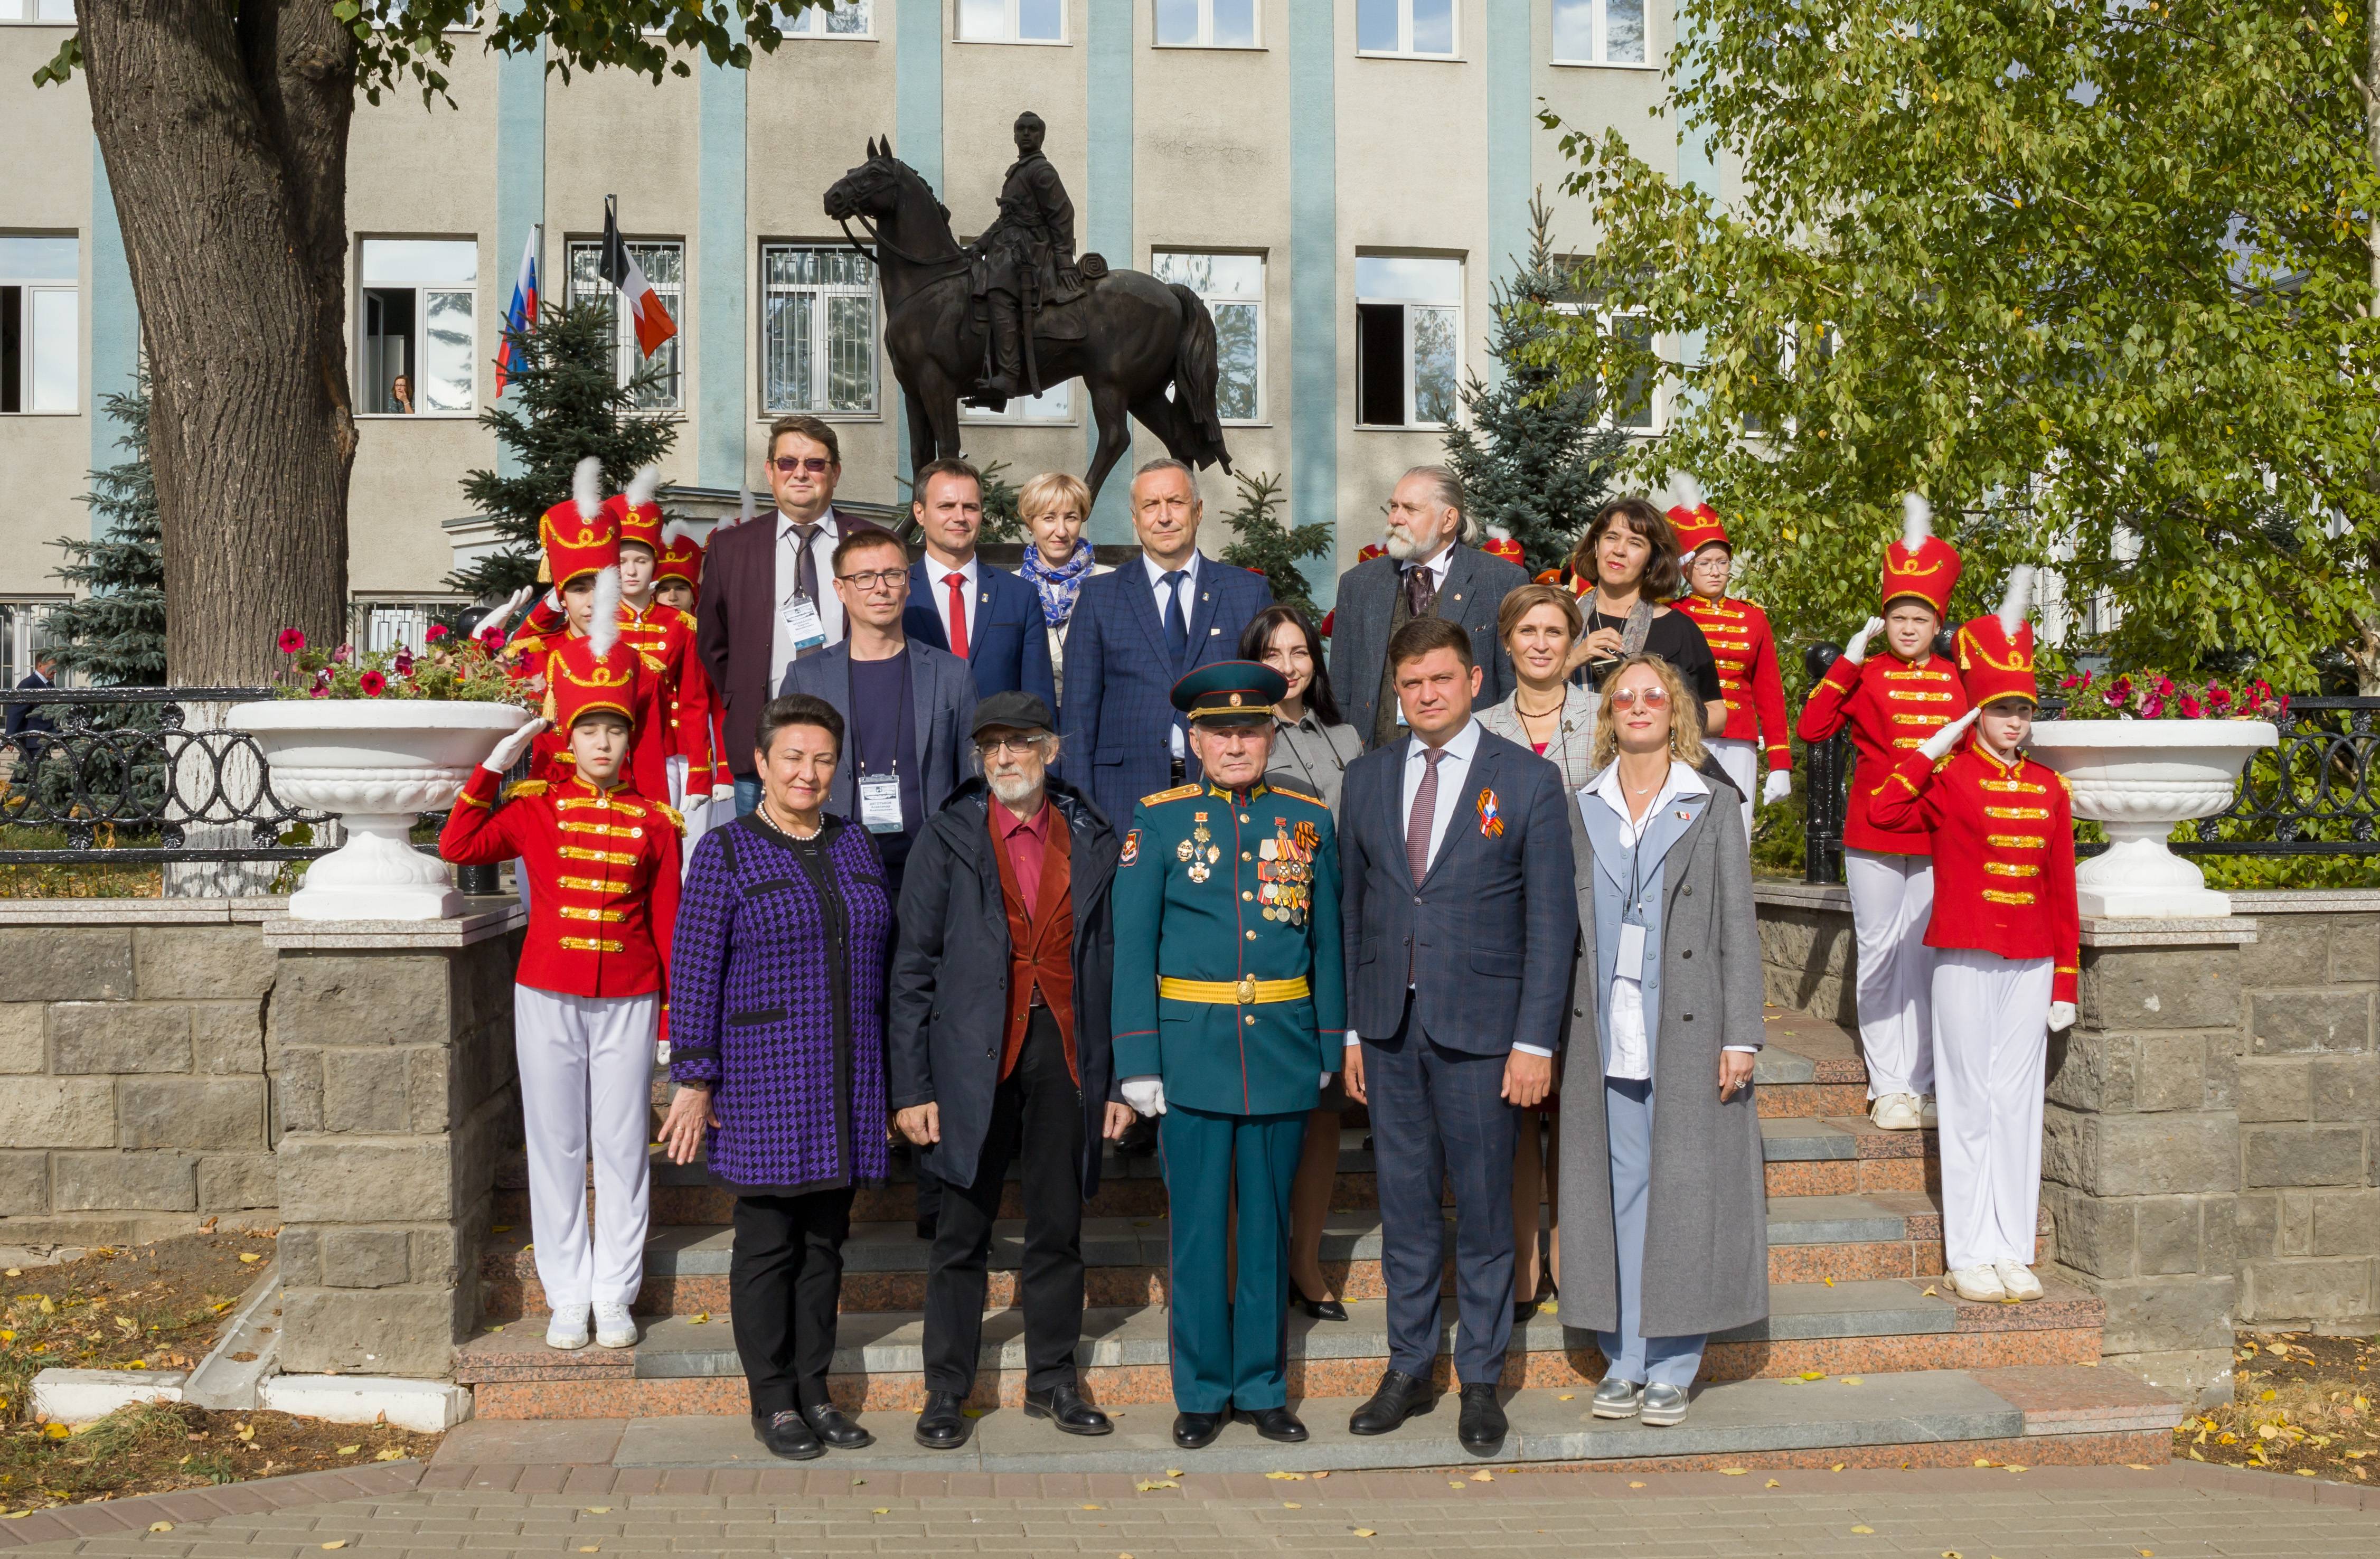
x: 1617, y: 1399
x: 1663, y: 1406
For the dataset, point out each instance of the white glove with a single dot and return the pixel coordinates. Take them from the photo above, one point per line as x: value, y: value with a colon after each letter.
x: 1856, y: 651
x: 1146, y: 1095
x: 1777, y: 786
x: 2061, y: 1016
x: 503, y: 615
x: 508, y: 750
x: 1326, y: 1079
x: 1937, y: 746
x: 723, y: 792
x: 553, y: 599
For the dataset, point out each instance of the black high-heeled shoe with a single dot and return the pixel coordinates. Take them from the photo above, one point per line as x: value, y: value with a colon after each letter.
x: 1321, y: 1310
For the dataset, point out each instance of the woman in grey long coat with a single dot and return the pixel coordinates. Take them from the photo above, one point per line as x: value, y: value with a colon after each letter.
x: 1666, y: 1209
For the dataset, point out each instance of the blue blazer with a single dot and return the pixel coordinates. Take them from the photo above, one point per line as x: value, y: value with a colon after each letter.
x: 1009, y: 649
x: 943, y: 697
x: 1490, y: 934
x: 1119, y: 673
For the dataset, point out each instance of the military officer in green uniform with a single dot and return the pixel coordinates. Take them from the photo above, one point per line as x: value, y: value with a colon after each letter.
x: 1230, y: 1016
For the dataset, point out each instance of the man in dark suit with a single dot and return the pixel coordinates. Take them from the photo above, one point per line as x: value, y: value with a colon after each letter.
x: 764, y: 602
x: 1428, y: 571
x: 986, y: 617
x: 1140, y: 630
x: 1460, y: 918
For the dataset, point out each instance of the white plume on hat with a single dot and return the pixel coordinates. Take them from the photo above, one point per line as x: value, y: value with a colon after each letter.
x: 643, y: 485
x: 2018, y: 598
x: 673, y: 533
x: 1689, y: 491
x: 1499, y: 532
x: 604, y: 631
x: 747, y: 508
x: 586, y: 487
x: 1916, y: 520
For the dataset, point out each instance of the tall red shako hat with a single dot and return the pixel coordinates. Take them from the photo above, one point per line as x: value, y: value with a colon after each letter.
x: 1499, y: 544
x: 1695, y: 522
x: 577, y: 537
x: 681, y: 557
x: 1995, y: 653
x: 1921, y: 565
x: 634, y: 513
x: 599, y: 674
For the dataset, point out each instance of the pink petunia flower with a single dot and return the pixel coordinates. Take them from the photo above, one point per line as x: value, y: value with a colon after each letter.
x: 437, y: 632
x: 292, y: 639
x: 372, y: 683
x: 343, y: 654
x: 2151, y: 707
x: 2191, y: 709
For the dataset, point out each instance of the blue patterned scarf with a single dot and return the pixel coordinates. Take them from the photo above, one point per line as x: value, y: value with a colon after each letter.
x: 1057, y: 585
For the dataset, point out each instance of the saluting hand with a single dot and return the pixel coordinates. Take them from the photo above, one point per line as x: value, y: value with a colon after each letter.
x: 1938, y: 745
x: 689, y: 1116
x: 1856, y: 651
x: 508, y: 750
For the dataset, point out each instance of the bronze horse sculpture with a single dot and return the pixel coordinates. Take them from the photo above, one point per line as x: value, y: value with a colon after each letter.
x: 1146, y: 349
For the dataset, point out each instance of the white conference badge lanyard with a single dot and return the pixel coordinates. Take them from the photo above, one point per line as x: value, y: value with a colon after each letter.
x: 1630, y: 962
x: 879, y: 794
x: 803, y: 622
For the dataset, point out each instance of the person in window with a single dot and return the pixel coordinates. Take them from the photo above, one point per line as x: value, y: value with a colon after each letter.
x: 777, y: 1046
x: 1055, y: 507
x: 400, y: 395
x: 1623, y: 569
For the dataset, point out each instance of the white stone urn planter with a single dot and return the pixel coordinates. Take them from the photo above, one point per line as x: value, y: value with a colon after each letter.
x: 379, y: 763
x: 2136, y: 779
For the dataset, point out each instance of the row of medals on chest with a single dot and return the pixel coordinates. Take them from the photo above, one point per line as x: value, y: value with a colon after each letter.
x: 1284, y: 869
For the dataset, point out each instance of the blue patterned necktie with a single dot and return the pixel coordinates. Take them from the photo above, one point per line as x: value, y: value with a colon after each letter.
x: 1177, y: 627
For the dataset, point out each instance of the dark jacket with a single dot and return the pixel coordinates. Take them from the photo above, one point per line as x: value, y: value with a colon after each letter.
x: 1009, y: 648
x: 1476, y: 584
x: 950, y: 976
x: 942, y: 695
x: 31, y: 718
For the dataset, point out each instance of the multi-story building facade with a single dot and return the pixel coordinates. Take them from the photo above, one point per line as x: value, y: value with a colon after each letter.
x: 1344, y: 180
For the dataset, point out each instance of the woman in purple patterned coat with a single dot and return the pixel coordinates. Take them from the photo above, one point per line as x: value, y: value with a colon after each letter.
x: 777, y: 1046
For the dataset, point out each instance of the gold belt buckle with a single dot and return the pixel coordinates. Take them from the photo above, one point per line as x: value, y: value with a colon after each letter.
x: 1248, y: 991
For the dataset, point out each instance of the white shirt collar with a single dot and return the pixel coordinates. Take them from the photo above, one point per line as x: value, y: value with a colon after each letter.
x: 936, y: 572
x: 1436, y: 566
x: 1681, y: 781
x: 1462, y: 747
x: 829, y: 524
x: 1157, y: 571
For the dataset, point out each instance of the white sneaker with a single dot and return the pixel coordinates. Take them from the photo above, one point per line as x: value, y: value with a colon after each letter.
x: 1895, y: 1112
x: 2018, y: 1280
x: 567, y: 1329
x: 615, y: 1328
x: 1928, y: 1116
x: 1979, y: 1283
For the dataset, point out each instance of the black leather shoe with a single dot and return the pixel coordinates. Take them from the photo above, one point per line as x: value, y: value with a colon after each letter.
x: 1523, y: 1310
x: 1139, y: 1139
x: 1398, y: 1398
x: 1196, y: 1432
x: 1321, y: 1310
x: 1276, y: 1423
x: 784, y: 1435
x: 941, y: 1427
x: 1064, y: 1407
x: 1483, y: 1425
x: 830, y: 1425
x: 924, y: 1228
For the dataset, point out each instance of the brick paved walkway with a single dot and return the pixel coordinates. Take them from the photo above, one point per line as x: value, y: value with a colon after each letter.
x: 2180, y: 1512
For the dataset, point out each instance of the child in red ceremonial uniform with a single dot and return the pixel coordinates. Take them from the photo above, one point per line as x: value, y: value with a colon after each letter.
x: 1740, y: 642
x: 2006, y: 938
x: 589, y: 998
x: 1892, y: 703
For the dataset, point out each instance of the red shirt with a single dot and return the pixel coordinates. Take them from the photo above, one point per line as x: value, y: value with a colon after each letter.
x: 1890, y: 706
x: 1740, y: 642
x: 603, y: 866
x: 2003, y: 839
x: 1023, y: 839
x: 1036, y: 861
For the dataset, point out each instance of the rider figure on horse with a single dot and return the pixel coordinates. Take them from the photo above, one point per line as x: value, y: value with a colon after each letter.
x: 1025, y: 262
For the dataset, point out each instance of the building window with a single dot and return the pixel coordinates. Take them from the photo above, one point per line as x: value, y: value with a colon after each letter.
x: 1408, y: 341
x: 1599, y: 33
x: 41, y: 338
x: 1413, y: 28
x: 817, y: 329
x: 1207, y: 24
x: 24, y: 633
x: 1011, y: 21
x: 403, y: 624
x: 843, y: 18
x: 1232, y: 285
x: 52, y: 11
x: 1055, y: 404
x: 419, y: 347
x: 663, y: 264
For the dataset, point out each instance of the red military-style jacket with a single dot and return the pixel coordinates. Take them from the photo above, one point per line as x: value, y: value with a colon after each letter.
x: 664, y: 637
x: 603, y: 879
x: 1745, y: 650
x: 2003, y: 855
x: 549, y: 755
x: 1891, y: 706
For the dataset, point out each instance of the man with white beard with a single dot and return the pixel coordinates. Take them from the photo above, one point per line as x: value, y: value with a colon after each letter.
x: 1430, y: 569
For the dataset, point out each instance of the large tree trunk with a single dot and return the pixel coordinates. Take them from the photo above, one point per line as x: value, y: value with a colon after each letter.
x: 227, y: 145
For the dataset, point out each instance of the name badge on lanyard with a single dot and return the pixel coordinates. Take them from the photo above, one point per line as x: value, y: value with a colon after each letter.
x: 880, y: 802
x: 803, y: 623
x: 1630, y: 964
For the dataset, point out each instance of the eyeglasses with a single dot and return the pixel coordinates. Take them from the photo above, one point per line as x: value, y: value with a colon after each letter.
x: 1651, y: 697
x: 793, y: 465
x: 870, y: 580
x: 1021, y: 746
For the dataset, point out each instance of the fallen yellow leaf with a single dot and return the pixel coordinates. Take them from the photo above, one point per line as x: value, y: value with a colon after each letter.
x: 2139, y: 1466
x: 14, y: 1515
x: 1286, y: 1477
x: 1814, y: 1374
x: 1863, y: 1532
x: 1634, y: 1485
x: 1828, y: 1281
x: 341, y: 1543
x: 700, y: 1317
x: 59, y: 1431
x: 1093, y: 1507
x: 1851, y: 1379
x: 1567, y: 1396
x: 1929, y: 1292
x: 1732, y: 1471
x: 349, y: 1450
x: 1146, y: 1485
x: 1985, y: 1461
x: 16, y: 1272
x: 883, y: 1510
x: 1455, y: 1485
x: 2014, y: 1467
x: 1291, y: 1504
x: 591, y: 1548
x: 161, y: 1526
x: 1366, y: 1532
x: 392, y: 1454
x: 2305, y: 1472
x: 1483, y: 1475
x: 1176, y: 1472
x: 1774, y: 1484
x: 1317, y: 1477
x: 1837, y: 1467
x: 598, y: 1510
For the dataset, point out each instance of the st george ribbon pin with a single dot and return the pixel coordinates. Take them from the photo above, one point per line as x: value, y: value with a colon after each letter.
x: 1491, y: 823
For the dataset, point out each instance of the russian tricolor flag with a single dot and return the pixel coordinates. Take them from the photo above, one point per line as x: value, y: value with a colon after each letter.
x: 620, y: 268
x: 522, y: 316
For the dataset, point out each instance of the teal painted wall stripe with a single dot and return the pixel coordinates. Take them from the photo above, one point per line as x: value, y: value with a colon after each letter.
x: 1697, y: 169
x: 114, y: 322
x: 1313, y: 334
x: 1109, y: 228
x: 1512, y: 107
x: 916, y: 141
x: 719, y: 400
x: 520, y: 198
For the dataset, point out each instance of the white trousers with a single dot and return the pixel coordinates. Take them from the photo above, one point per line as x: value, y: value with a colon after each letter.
x: 1892, y: 899
x: 1991, y: 1047
x: 1739, y: 759
x: 586, y: 1081
x: 694, y: 808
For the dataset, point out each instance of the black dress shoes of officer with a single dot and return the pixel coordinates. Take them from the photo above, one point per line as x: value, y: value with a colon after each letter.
x: 1276, y: 1423
x: 784, y: 1435
x: 828, y: 1422
x: 1398, y: 1398
x: 1196, y: 1432
x: 1064, y: 1407
x: 1483, y: 1423
x: 941, y: 1427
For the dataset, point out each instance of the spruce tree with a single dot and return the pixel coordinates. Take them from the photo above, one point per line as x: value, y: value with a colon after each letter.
x: 1270, y: 547
x: 563, y: 402
x: 113, y: 633
x: 1531, y: 458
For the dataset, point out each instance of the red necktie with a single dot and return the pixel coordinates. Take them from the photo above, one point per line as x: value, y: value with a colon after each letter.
x: 957, y: 583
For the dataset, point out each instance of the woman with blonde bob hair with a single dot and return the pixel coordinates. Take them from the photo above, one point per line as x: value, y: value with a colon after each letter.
x: 1054, y: 506
x: 1669, y: 950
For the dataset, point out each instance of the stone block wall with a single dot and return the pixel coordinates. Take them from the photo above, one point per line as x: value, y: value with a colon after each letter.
x: 134, y: 1095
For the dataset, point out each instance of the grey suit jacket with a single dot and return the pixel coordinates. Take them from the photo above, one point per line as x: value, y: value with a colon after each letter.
x: 1573, y: 748
x: 1476, y: 584
x: 941, y: 689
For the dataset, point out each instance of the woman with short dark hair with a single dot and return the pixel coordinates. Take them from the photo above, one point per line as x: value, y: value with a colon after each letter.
x: 1623, y: 570
x: 777, y: 1046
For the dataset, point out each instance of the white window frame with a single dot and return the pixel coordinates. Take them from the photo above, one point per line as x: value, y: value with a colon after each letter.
x: 28, y: 13
x: 1206, y: 38
x: 1657, y: 404
x: 822, y: 291
x: 1156, y: 258
x: 810, y: 22
x: 32, y: 288
x: 390, y: 622
x: 21, y: 636
x: 1601, y: 44
x: 1405, y: 49
x: 420, y: 320
x: 1014, y: 22
x: 1413, y: 422
x: 628, y: 361
x: 1029, y: 412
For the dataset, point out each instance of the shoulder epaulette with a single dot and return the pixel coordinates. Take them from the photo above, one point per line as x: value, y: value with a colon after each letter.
x: 1296, y: 795
x: 677, y: 818
x: 1179, y: 793
x: 688, y: 618
x: 523, y: 788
